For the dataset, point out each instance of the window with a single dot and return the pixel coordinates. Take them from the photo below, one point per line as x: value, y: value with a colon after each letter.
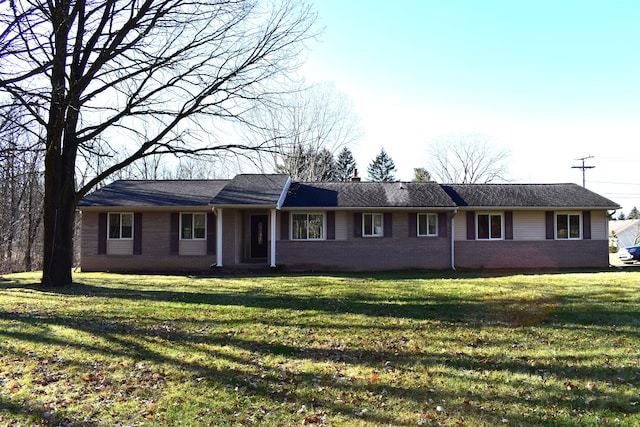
x: 193, y: 226
x: 120, y: 226
x: 372, y: 225
x: 489, y: 226
x: 568, y: 226
x: 307, y: 226
x: 427, y: 224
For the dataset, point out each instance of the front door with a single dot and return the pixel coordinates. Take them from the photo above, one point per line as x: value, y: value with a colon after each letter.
x: 258, y: 239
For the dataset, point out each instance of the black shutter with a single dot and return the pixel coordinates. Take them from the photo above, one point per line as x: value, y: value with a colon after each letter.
x: 284, y: 225
x: 331, y: 225
x: 550, y: 235
x: 137, y: 233
x: 174, y: 239
x: 357, y: 224
x: 102, y: 233
x: 442, y: 224
x: 388, y: 224
x: 413, y: 224
x: 586, y: 225
x: 471, y: 225
x: 211, y: 233
x: 508, y: 225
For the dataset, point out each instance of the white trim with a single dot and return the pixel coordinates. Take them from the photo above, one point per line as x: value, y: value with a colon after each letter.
x: 219, y: 237
x: 307, y: 213
x: 374, y: 234
x: 283, y: 195
x: 453, y: 244
x: 193, y: 222
x: 273, y: 238
x: 568, y: 214
x: 120, y: 232
x: 418, y: 224
x: 490, y: 214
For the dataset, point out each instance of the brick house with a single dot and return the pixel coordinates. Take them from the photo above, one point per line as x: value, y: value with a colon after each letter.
x: 269, y: 220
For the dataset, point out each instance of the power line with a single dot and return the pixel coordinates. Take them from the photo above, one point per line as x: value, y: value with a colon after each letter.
x: 583, y: 167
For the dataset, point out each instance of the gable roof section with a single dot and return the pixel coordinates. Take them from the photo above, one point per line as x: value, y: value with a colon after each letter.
x: 560, y: 196
x: 251, y: 190
x: 367, y: 195
x: 154, y: 193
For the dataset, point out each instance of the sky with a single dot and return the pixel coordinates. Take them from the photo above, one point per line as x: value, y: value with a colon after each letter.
x: 551, y: 81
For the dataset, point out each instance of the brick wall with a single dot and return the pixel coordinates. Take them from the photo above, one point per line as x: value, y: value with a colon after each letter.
x: 365, y: 254
x: 534, y: 254
x: 155, y: 248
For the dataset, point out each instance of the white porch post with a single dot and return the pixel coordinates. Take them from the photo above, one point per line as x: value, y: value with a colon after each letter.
x: 219, y: 237
x: 273, y: 238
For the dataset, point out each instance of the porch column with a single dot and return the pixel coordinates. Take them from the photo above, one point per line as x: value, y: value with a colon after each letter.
x: 273, y: 238
x: 219, y: 237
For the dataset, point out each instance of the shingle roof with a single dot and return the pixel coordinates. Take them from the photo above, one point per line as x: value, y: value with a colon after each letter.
x: 154, y: 193
x: 261, y: 190
x: 266, y: 190
x: 526, y: 196
x: 367, y: 194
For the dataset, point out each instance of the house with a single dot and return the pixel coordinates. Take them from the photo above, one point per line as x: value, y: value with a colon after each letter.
x: 269, y: 220
x: 626, y: 232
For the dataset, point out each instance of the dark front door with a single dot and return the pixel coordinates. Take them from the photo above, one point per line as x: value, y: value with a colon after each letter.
x: 259, y: 236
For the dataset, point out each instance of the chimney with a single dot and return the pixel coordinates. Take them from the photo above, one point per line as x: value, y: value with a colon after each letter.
x: 355, y: 177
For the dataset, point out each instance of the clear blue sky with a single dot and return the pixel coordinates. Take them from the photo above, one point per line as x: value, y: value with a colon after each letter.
x: 551, y: 81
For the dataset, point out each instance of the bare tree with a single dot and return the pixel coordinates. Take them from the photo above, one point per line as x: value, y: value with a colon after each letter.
x: 155, y: 75
x: 21, y: 192
x: 467, y: 159
x: 311, y: 126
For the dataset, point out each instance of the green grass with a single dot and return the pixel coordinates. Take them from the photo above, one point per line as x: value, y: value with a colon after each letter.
x: 387, y: 349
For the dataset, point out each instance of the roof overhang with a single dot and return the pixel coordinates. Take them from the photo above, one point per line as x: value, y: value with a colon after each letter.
x: 371, y: 208
x: 204, y: 208
x: 538, y: 208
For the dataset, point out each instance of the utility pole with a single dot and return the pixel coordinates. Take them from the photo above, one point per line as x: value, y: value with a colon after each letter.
x: 583, y: 167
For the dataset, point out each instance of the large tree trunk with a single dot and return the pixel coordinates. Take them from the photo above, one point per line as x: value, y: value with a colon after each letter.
x: 59, y: 161
x: 59, y: 211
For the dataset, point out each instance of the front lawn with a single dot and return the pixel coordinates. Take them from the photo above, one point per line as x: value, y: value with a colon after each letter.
x: 387, y: 349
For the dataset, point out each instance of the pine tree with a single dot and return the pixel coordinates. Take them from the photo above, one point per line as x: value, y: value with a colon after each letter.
x: 634, y: 214
x: 345, y: 164
x: 381, y: 168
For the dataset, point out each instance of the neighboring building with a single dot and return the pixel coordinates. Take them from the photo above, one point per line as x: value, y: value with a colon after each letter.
x: 627, y: 232
x: 349, y: 226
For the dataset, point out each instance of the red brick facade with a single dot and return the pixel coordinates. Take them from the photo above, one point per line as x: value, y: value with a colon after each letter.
x: 398, y: 251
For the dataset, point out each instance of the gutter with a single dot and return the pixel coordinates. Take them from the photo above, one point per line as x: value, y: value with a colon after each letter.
x: 453, y: 246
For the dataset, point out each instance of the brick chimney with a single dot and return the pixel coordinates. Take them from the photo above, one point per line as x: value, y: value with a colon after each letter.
x: 355, y: 177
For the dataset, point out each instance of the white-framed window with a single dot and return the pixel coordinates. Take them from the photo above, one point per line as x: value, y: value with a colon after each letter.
x: 569, y: 225
x: 193, y: 226
x: 372, y: 225
x: 427, y: 224
x: 489, y: 226
x: 307, y: 226
x: 120, y: 226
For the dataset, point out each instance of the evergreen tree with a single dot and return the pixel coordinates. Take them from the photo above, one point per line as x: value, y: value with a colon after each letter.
x: 381, y: 168
x: 345, y: 164
x: 634, y: 214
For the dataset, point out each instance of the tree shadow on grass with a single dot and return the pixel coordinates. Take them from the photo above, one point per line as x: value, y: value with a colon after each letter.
x: 330, y: 392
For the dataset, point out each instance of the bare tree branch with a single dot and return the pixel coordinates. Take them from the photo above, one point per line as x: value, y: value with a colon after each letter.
x: 467, y: 159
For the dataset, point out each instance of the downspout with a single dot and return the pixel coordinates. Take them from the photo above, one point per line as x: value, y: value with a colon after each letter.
x: 273, y: 238
x: 219, y: 237
x: 453, y: 246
